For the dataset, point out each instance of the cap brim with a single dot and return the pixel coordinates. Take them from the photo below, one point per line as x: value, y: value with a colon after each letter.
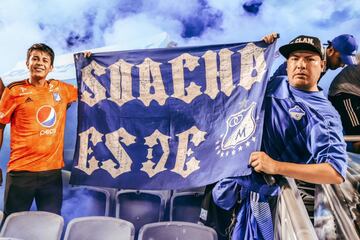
x: 289, y: 48
x: 349, y: 59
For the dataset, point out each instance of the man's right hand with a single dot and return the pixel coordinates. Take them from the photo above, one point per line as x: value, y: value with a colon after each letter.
x: 270, y: 38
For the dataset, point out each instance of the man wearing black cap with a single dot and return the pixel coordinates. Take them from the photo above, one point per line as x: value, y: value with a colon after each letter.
x: 300, y: 124
x: 302, y: 139
x: 339, y: 52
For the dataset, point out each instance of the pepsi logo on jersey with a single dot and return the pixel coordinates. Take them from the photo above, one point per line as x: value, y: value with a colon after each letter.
x: 46, y: 117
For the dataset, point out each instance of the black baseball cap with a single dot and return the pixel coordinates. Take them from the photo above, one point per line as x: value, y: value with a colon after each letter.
x: 302, y: 42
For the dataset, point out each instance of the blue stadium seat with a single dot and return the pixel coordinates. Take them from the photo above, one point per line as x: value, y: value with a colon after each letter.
x: 95, y: 228
x: 186, y: 206
x: 176, y: 230
x: 140, y: 207
x: 33, y: 225
x: 85, y: 201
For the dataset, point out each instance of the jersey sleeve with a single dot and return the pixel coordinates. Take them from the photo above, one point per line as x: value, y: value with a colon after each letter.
x: 7, y: 106
x: 328, y: 146
x: 225, y: 193
x: 71, y: 92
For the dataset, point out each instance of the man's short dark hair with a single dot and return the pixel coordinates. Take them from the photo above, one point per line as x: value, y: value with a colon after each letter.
x: 41, y: 47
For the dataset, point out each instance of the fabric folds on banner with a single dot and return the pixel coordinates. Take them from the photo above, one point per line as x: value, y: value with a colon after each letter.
x: 169, y: 118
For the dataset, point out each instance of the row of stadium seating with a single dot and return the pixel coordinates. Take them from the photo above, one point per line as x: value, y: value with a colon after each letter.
x: 139, y: 207
x: 37, y: 225
x: 142, y: 208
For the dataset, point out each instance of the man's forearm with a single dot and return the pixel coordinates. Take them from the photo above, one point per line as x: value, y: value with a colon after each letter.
x: 321, y: 173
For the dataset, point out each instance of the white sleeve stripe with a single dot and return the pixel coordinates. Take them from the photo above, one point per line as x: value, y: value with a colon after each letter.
x: 353, y: 118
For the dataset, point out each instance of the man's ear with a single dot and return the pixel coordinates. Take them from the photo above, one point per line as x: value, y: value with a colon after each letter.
x: 330, y: 51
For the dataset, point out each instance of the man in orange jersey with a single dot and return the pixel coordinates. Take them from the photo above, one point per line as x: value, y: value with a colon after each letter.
x: 36, y: 109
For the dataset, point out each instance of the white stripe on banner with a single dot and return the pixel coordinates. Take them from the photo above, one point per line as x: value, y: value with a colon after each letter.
x: 353, y: 118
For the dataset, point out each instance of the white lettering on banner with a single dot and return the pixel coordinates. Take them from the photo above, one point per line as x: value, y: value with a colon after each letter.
x: 123, y: 161
x: 151, y: 141
x: 212, y: 73
x: 121, y: 91
x: 113, y: 144
x: 193, y: 90
x: 193, y: 164
x: 151, y: 82
x: 83, y: 150
x: 253, y: 65
x: 154, y: 90
x: 96, y: 88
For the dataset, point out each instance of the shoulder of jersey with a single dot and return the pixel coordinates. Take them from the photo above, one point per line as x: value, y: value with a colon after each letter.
x: 17, y: 83
x: 54, y: 82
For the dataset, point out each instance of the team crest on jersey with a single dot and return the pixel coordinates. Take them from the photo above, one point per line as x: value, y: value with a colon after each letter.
x: 56, y: 96
x: 296, y: 112
x: 46, y: 116
x: 240, y: 127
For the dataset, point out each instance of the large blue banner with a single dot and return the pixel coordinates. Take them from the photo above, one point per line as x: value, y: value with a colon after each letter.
x: 169, y: 118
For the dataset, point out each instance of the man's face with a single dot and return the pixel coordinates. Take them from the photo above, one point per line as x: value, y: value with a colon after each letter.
x: 304, y: 69
x: 333, y: 59
x: 39, y: 64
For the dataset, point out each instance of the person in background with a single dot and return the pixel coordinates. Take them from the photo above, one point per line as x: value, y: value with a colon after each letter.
x: 36, y: 109
x: 344, y: 94
x: 339, y: 52
x: 302, y: 139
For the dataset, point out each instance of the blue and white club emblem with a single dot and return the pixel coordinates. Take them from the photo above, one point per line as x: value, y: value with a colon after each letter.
x: 239, y: 128
x: 56, y: 96
x: 296, y: 112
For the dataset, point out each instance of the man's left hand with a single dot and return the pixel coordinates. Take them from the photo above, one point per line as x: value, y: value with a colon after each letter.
x: 261, y: 162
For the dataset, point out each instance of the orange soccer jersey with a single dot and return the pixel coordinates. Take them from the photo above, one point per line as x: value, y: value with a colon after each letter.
x: 37, y: 116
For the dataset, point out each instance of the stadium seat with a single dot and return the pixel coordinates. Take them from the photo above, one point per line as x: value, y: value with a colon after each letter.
x: 95, y: 228
x: 140, y: 207
x: 85, y: 201
x: 33, y: 225
x: 176, y: 230
x: 186, y: 206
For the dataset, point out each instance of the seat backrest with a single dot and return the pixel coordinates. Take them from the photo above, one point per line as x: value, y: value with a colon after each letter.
x: 95, y: 228
x: 186, y: 206
x: 85, y: 201
x: 140, y: 207
x: 176, y: 230
x: 33, y: 225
